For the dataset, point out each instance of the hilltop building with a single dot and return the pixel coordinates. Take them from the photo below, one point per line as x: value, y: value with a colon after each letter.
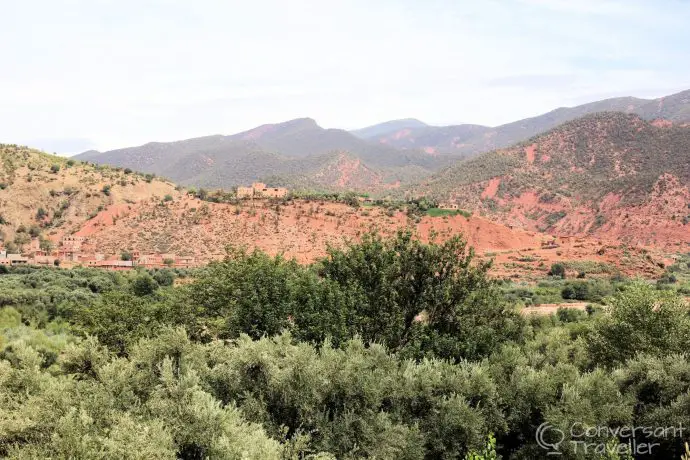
x: 260, y: 190
x: 72, y: 243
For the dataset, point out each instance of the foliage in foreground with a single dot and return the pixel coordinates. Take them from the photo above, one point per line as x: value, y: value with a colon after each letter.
x: 385, y: 349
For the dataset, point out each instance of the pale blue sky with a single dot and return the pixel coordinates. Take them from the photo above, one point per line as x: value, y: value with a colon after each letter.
x: 107, y: 74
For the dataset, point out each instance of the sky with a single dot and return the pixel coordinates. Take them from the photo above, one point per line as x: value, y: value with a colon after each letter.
x: 100, y: 74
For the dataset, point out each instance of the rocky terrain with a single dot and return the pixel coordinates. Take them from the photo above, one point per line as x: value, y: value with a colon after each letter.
x: 609, y: 175
x: 304, y: 229
x: 55, y: 196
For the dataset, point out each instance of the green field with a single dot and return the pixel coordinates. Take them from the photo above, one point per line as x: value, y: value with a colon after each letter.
x: 438, y: 212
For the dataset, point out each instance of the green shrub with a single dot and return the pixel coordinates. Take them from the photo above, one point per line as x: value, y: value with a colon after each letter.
x: 557, y: 270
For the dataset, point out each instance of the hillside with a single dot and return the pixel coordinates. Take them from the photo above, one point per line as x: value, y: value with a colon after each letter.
x: 387, y: 127
x: 297, y: 153
x: 613, y: 175
x: 469, y: 140
x: 118, y: 210
x: 304, y: 229
x: 55, y: 196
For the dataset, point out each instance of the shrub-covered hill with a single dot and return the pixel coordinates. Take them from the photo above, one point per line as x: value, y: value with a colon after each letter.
x: 298, y: 153
x: 609, y: 173
x: 53, y: 195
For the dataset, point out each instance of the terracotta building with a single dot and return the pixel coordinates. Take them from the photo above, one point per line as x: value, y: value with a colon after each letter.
x: 260, y: 190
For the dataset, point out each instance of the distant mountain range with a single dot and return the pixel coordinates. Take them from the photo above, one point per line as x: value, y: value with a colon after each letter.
x: 301, y: 154
x: 297, y: 153
x: 468, y: 139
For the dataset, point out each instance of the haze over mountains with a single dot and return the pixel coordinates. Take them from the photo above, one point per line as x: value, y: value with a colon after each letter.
x: 301, y: 154
x: 470, y: 139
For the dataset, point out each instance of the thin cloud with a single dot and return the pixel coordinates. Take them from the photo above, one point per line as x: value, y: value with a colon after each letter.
x: 89, y: 70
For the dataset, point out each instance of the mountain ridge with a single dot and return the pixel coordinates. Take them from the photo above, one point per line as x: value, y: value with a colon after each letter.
x: 291, y: 151
x: 609, y: 174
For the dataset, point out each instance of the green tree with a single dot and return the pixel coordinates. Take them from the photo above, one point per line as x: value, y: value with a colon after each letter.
x: 144, y: 285
x: 641, y: 320
x: 427, y: 299
x: 557, y: 270
x: 46, y: 245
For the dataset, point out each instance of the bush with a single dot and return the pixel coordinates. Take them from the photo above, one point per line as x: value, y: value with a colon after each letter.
x: 106, y: 190
x: 55, y: 169
x: 144, y: 285
x: 557, y: 270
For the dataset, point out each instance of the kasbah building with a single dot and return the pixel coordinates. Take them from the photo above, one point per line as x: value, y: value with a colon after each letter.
x: 70, y: 254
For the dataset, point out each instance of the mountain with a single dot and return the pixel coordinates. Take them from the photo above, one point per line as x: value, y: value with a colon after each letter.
x: 611, y: 174
x: 57, y: 196
x: 293, y: 153
x: 301, y: 154
x: 387, y: 127
x: 468, y: 140
x: 675, y: 108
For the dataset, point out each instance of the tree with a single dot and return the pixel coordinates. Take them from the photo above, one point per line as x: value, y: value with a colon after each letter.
x: 46, y: 245
x: 427, y: 299
x: 20, y: 239
x: 641, y: 320
x: 125, y: 255
x: 144, y: 285
x: 34, y: 231
x: 487, y: 453
x: 557, y: 270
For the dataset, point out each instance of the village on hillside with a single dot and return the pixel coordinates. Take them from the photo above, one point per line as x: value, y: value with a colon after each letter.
x: 71, y: 253
x: 74, y: 250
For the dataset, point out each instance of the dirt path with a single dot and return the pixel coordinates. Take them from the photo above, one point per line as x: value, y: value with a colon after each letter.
x: 551, y: 308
